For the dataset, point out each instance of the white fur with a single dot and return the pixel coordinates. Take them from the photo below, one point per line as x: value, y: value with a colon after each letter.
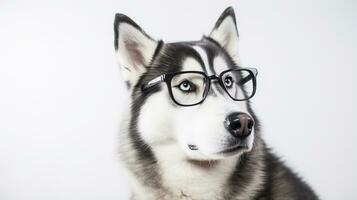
x: 190, y: 179
x: 191, y: 64
x: 156, y: 120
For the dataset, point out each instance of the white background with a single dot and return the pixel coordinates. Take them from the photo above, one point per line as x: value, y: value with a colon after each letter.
x: 61, y: 94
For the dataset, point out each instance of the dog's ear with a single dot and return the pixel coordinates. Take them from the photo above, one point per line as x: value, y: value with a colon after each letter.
x: 225, y: 32
x: 134, y: 48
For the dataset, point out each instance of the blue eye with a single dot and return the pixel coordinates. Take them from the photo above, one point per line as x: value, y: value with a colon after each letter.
x: 228, y: 81
x: 185, y: 86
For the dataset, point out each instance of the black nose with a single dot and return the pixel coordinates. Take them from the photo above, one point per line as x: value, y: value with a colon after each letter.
x: 239, y: 124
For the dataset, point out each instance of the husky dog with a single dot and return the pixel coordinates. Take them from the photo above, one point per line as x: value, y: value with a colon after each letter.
x: 189, y: 131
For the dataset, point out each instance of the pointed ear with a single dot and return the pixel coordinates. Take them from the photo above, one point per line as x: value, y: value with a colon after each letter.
x: 134, y: 48
x: 225, y: 32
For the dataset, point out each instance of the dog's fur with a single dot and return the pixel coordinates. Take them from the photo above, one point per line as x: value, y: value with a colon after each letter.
x: 155, y: 131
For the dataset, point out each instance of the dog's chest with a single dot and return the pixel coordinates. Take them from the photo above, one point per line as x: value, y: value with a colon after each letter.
x: 187, y: 180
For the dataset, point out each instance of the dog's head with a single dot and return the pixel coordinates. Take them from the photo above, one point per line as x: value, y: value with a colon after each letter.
x: 206, y: 112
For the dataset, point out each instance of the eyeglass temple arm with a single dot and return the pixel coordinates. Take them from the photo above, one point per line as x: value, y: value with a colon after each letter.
x: 153, y: 82
x: 247, y: 78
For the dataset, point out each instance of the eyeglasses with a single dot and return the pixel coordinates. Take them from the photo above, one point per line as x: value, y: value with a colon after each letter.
x: 189, y: 88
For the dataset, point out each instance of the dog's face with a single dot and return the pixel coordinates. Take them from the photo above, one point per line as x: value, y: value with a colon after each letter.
x: 214, y: 129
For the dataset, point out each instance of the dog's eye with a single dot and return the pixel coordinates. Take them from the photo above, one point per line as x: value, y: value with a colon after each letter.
x: 228, y: 81
x: 185, y: 86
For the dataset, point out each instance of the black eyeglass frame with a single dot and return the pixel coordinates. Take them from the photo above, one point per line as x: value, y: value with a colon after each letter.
x: 253, y: 72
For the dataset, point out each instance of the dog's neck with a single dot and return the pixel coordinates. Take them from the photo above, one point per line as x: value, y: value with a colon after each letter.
x: 189, y: 179
x: 167, y: 174
x: 175, y: 177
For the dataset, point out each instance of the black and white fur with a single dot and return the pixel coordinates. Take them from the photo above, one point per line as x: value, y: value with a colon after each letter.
x: 155, y: 132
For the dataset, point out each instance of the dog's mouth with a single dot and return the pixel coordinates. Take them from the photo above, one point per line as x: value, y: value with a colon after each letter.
x: 192, y: 147
x: 234, y: 149
x: 230, y: 150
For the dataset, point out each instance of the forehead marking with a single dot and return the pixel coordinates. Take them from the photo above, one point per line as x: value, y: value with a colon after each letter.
x: 209, y: 70
x: 219, y: 64
x: 191, y: 64
x: 204, y: 58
